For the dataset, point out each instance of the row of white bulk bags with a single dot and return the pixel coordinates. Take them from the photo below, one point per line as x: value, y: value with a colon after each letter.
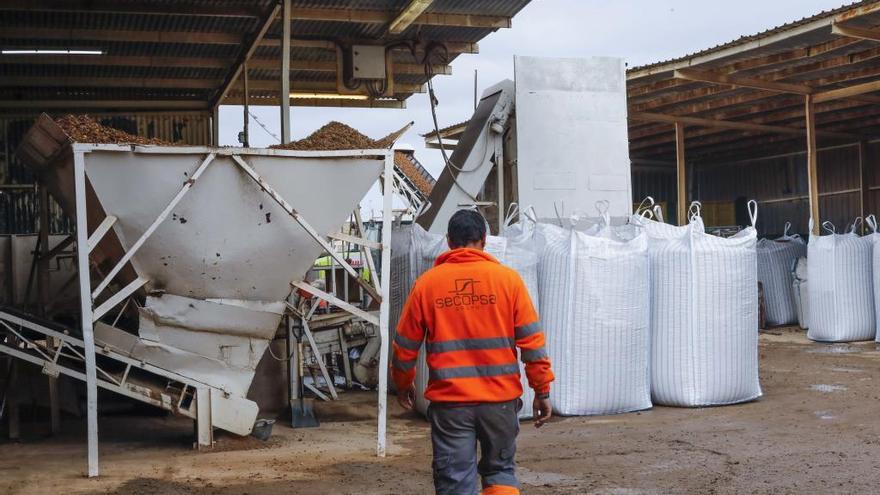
x: 594, y: 290
x: 704, y: 314
x: 775, y: 260
x: 841, y: 294
x: 800, y: 286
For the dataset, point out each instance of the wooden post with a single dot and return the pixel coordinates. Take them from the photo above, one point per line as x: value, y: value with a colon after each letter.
x: 681, y: 174
x: 215, y: 126
x: 812, y: 163
x: 285, y: 73
x: 863, y: 182
x: 43, y: 291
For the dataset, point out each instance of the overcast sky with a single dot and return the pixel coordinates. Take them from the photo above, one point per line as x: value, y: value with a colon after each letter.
x: 639, y: 31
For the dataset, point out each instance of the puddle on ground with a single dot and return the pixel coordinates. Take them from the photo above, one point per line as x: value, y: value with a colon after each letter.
x: 825, y: 388
x: 834, y: 349
x: 824, y: 415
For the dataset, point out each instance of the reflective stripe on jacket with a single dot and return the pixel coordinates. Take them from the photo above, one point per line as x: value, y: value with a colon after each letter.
x: 472, y: 313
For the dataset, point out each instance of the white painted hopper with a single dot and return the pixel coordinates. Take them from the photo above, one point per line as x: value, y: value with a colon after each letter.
x: 218, y: 267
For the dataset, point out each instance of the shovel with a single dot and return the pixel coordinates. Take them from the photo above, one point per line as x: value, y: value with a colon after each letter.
x: 302, y: 410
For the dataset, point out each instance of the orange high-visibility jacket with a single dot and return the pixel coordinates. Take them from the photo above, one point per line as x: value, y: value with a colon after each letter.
x: 472, y: 312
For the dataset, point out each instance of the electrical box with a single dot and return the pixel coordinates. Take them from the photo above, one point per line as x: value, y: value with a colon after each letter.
x: 368, y: 62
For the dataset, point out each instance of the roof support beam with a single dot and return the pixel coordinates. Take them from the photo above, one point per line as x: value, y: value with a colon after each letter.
x: 271, y: 85
x: 122, y: 35
x: 129, y: 7
x: 385, y: 17
x: 856, y: 32
x: 106, y: 104
x: 237, y: 99
x: 328, y: 66
x: 729, y: 124
x: 119, y: 61
x: 408, y: 15
x: 107, y: 82
x: 284, y: 88
x: 849, y: 92
x: 743, y: 82
x: 252, y: 45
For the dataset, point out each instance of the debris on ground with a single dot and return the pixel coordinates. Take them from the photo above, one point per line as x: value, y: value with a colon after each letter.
x: 84, y: 129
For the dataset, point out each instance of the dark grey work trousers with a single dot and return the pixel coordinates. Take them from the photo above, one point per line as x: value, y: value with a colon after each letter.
x: 455, y: 431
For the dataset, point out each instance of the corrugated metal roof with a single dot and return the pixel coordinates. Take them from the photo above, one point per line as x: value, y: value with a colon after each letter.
x: 208, y: 29
x: 763, y: 34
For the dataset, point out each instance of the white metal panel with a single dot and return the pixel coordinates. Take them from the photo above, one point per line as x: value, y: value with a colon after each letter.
x: 226, y: 238
x: 572, y: 145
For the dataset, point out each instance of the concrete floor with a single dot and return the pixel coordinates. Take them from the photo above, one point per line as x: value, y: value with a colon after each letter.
x: 816, y: 430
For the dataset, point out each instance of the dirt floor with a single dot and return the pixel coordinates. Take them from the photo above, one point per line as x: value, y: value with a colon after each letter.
x: 816, y: 430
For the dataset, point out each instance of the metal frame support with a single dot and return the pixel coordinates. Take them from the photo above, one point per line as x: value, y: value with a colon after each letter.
x: 499, y: 175
x: 285, y: 72
x: 215, y: 125
x: 204, y: 428
x: 82, y: 255
x: 384, y: 306
x: 43, y: 298
x: 305, y: 225
x: 681, y: 175
x: 812, y: 162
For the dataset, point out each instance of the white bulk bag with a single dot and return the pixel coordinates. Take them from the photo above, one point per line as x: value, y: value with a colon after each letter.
x: 704, y: 314
x: 775, y: 258
x: 874, y: 236
x: 800, y: 285
x: 594, y: 311
x: 841, y: 293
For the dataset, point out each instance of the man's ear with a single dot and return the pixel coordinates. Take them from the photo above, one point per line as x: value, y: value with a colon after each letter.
x: 448, y: 242
x: 483, y: 243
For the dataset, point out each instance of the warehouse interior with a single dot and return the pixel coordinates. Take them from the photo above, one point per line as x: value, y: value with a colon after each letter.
x: 765, y: 132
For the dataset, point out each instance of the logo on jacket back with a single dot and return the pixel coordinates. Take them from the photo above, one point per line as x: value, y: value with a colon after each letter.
x: 465, y: 295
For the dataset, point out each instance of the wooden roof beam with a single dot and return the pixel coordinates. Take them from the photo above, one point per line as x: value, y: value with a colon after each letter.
x: 131, y: 7
x: 87, y: 104
x: 252, y: 42
x: 235, y: 98
x: 272, y: 85
x: 107, y: 82
x: 856, y: 32
x: 742, y: 82
x: 119, y: 61
x: 408, y: 15
x: 730, y: 124
x: 331, y: 66
x: 122, y: 35
x: 386, y: 17
x: 848, y: 92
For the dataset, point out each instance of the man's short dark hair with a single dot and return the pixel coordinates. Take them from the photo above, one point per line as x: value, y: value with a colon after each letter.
x: 466, y: 227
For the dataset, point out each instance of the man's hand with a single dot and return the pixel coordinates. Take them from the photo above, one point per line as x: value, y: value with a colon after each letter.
x: 541, y: 411
x: 407, y: 397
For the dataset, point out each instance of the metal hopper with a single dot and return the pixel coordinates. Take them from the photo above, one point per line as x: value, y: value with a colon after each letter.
x: 212, y: 237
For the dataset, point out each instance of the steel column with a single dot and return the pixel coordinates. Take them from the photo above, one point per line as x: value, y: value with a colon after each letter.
x: 384, y: 306
x: 863, y: 182
x: 285, y: 73
x: 82, y: 256
x: 247, y: 110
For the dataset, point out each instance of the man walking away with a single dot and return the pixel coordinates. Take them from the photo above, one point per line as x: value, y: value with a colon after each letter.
x: 472, y: 312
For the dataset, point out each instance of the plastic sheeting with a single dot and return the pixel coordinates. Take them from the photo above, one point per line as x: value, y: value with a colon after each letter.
x: 775, y: 258
x: 704, y: 314
x: 841, y: 294
x: 595, y: 316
